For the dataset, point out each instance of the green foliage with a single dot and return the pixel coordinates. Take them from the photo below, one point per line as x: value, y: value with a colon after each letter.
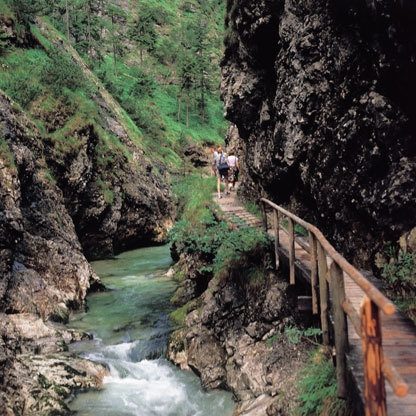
x: 200, y: 233
x: 6, y: 153
x: 295, y: 335
x: 400, y: 271
x: 139, y: 50
x: 106, y: 190
x: 60, y: 72
x: 178, y: 316
x: 20, y: 75
x: 253, y: 208
x: 143, y: 30
x: 318, y: 389
x: 4, y: 44
x: 299, y: 230
x: 237, y: 243
x: 25, y: 10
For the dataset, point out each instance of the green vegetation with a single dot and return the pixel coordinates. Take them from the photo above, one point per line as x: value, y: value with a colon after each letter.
x: 158, y: 59
x: 253, y: 208
x: 238, y: 243
x: 298, y: 229
x: 6, y: 154
x: 200, y: 232
x: 318, y: 389
x: 294, y: 335
x: 399, y: 272
x: 178, y: 316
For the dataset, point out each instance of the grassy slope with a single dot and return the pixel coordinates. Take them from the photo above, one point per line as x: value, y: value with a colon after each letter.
x: 152, y: 126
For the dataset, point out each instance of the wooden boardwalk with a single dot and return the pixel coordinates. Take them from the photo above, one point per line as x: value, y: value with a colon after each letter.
x: 398, y: 332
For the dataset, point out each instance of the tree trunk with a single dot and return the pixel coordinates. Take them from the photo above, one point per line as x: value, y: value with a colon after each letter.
x: 179, y: 108
x: 89, y: 11
x: 114, y: 45
x: 67, y: 20
x: 187, y: 111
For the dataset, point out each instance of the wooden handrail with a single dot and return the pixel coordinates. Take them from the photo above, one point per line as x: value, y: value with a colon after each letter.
x: 399, y: 386
x: 369, y: 289
x: 367, y: 326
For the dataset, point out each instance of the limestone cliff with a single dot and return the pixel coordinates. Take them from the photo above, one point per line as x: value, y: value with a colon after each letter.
x: 233, y: 335
x: 43, y: 269
x: 322, y: 95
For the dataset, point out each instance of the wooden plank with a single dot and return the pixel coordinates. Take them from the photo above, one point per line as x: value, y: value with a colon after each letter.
x: 276, y: 237
x: 314, y: 273
x: 323, y: 293
x: 292, y: 277
x: 340, y: 328
x: 374, y: 390
x: 264, y: 217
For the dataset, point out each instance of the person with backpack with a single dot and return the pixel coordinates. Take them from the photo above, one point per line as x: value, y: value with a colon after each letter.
x: 234, y: 169
x: 221, y: 163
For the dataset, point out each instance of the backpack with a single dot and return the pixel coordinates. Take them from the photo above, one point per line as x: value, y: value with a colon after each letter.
x: 222, y: 163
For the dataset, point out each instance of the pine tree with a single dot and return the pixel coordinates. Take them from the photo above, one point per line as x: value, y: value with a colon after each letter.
x: 143, y: 29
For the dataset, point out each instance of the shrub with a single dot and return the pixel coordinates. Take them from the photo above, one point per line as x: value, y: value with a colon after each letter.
x: 238, y: 244
x: 400, y: 271
x: 61, y: 72
x: 318, y: 388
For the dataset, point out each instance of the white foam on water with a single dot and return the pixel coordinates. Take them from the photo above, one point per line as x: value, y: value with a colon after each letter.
x: 148, y: 388
x: 120, y: 351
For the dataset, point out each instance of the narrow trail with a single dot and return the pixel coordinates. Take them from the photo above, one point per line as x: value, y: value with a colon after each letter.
x: 398, y: 332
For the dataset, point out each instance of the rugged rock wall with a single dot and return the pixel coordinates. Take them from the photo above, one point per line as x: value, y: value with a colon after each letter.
x: 322, y: 94
x: 36, y: 374
x: 233, y: 336
x: 43, y: 269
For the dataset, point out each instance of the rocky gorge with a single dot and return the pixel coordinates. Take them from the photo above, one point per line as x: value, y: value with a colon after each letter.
x: 59, y: 208
x: 233, y: 334
x: 321, y: 95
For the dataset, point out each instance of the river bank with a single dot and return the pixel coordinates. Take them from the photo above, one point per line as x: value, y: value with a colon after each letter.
x: 130, y: 326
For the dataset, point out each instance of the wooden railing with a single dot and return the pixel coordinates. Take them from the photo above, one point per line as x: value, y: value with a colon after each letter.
x: 328, y: 292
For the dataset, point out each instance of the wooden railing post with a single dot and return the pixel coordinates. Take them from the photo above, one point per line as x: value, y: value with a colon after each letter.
x: 264, y: 216
x: 374, y: 390
x: 276, y: 237
x: 314, y: 273
x: 340, y: 327
x: 292, y: 271
x: 323, y: 293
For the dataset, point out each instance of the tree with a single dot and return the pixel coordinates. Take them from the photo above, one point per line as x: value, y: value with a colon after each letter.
x: 195, y: 63
x: 3, y: 42
x: 26, y: 10
x: 143, y: 30
x: 116, y: 37
x: 87, y: 26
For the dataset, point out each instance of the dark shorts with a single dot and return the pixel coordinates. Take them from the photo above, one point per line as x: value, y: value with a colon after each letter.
x: 233, y: 174
x: 223, y: 172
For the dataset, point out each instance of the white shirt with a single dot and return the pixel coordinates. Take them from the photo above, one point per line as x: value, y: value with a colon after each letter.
x: 232, y: 161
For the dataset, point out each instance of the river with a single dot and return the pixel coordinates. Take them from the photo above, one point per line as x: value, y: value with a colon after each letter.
x: 130, y: 324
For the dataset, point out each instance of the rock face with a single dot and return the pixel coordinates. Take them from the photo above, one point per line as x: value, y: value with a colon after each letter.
x: 322, y: 94
x: 43, y: 269
x: 55, y: 209
x: 233, y: 338
x: 36, y: 374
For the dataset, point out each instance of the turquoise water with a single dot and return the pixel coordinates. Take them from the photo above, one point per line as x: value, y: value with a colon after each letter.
x: 130, y: 324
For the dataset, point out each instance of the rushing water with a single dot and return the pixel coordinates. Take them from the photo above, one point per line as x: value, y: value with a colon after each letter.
x: 130, y: 325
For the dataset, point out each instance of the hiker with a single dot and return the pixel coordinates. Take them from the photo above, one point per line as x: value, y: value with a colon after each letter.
x: 234, y: 169
x: 214, y: 161
x: 222, y: 170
